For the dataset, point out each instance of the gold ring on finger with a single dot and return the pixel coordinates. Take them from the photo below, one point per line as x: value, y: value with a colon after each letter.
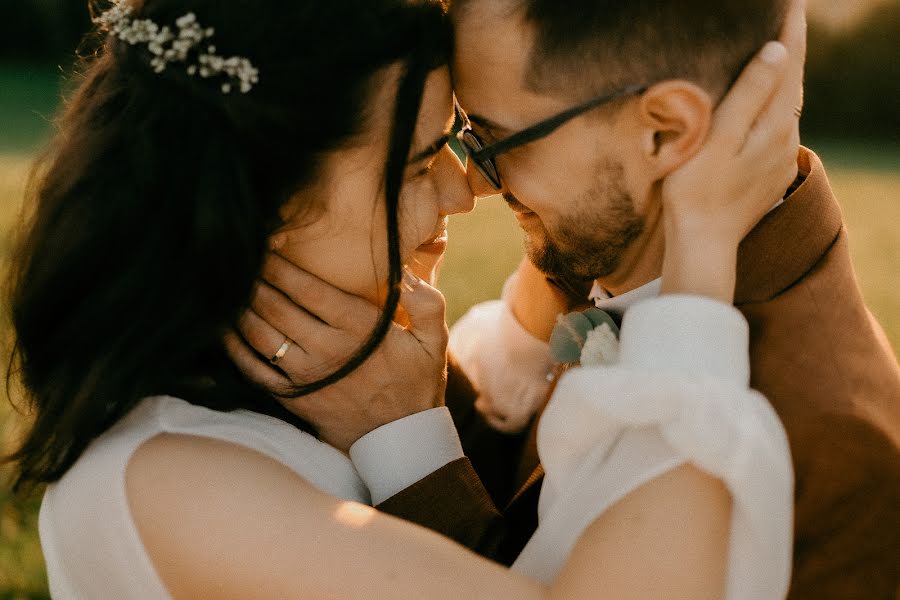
x: 282, y: 350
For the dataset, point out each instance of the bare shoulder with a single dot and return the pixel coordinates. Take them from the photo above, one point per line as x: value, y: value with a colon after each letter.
x: 181, y: 455
x: 203, y: 507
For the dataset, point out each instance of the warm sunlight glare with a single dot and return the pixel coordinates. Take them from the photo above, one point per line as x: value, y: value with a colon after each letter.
x: 353, y: 514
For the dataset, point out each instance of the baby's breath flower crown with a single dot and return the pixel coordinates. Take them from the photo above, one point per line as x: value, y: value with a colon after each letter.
x: 189, y: 44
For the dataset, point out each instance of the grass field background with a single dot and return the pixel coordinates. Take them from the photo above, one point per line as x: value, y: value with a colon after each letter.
x: 485, y: 247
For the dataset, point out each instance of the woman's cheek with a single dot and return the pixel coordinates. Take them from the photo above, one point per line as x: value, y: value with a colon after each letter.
x: 419, y: 213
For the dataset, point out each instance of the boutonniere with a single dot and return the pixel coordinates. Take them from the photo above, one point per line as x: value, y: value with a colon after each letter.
x: 590, y: 338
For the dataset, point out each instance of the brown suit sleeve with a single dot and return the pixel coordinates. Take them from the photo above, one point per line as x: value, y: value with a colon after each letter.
x: 848, y: 514
x: 460, y: 499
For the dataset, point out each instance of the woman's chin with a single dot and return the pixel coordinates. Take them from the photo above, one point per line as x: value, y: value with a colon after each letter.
x: 425, y: 260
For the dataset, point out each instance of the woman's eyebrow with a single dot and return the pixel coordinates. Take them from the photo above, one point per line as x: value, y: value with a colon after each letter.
x: 432, y: 149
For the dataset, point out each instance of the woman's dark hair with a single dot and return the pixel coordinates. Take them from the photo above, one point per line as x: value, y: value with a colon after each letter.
x: 153, y: 206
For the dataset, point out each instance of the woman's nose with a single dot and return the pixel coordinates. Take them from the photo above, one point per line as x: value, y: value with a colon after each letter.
x: 454, y: 195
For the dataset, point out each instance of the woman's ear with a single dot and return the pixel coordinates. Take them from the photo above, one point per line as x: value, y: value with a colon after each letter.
x: 675, y: 118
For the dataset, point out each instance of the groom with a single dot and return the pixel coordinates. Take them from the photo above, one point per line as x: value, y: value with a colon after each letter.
x: 586, y: 208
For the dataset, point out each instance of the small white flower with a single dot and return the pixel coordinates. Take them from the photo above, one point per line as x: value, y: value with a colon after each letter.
x: 167, y: 46
x: 600, y: 347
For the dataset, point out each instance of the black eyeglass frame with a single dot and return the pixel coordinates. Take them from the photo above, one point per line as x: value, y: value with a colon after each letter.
x: 483, y: 156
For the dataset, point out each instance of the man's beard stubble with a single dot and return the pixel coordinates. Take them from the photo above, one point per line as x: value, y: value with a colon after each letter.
x: 588, y: 243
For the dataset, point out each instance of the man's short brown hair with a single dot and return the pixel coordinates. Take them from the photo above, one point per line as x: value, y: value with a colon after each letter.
x: 584, y: 47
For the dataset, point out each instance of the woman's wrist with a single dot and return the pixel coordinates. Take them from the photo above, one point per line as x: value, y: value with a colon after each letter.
x: 700, y: 267
x: 534, y: 303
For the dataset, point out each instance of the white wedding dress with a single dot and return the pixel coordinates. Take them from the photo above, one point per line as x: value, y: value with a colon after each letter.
x: 91, y: 545
x: 678, y: 395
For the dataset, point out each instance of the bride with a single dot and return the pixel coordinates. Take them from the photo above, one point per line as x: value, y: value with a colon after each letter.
x: 198, y: 131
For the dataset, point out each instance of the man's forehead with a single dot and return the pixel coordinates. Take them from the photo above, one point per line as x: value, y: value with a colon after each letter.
x: 491, y: 55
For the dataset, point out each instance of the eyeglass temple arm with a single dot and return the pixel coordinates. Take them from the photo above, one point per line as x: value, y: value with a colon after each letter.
x: 547, y: 126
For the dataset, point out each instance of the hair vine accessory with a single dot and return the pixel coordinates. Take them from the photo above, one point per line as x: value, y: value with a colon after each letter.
x: 176, y: 46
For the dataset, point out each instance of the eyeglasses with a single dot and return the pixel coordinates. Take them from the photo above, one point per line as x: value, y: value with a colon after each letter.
x: 483, y: 157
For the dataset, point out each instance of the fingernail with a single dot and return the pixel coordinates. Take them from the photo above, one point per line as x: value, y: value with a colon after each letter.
x: 410, y: 279
x: 277, y: 241
x: 773, y: 53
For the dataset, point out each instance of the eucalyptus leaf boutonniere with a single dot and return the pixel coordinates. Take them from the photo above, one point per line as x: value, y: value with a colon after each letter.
x: 589, y: 338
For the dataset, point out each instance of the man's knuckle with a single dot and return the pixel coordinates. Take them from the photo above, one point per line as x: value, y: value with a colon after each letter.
x: 313, y: 295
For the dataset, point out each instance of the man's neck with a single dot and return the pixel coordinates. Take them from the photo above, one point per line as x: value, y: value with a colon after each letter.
x: 641, y: 263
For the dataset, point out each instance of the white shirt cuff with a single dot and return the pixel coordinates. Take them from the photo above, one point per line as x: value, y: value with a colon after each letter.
x: 397, y: 455
x: 686, y: 334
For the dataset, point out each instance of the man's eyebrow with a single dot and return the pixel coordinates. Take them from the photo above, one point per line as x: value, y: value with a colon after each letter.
x: 432, y: 149
x: 486, y: 123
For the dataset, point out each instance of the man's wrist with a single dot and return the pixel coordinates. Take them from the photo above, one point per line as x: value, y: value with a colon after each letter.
x: 396, y: 455
x: 534, y: 303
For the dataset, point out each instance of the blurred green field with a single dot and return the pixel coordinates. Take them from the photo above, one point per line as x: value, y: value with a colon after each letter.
x: 21, y: 565
x: 485, y: 247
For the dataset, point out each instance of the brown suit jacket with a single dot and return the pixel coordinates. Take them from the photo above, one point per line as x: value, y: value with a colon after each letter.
x: 820, y: 358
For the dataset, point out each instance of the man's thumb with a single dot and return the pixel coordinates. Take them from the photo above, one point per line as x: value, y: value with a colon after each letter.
x: 426, y: 309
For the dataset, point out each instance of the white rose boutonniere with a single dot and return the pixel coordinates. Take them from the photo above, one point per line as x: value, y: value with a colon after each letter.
x: 589, y: 338
x: 601, y: 347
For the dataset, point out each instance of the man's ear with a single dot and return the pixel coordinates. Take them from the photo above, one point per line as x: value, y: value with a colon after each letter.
x: 675, y: 117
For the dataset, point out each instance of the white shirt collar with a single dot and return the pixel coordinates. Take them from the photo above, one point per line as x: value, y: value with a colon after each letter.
x: 617, y: 305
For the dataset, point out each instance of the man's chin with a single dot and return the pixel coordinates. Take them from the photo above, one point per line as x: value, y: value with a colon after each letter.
x: 576, y: 265
x: 556, y: 265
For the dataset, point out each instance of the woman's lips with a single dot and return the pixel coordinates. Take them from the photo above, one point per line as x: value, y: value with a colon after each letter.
x: 436, y: 244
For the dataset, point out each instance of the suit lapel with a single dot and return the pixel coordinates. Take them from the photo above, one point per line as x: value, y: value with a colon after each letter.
x: 530, y: 471
x: 791, y: 239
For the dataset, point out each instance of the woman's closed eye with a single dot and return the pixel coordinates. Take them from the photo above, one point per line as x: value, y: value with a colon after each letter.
x: 429, y: 155
x: 429, y: 165
x: 424, y: 170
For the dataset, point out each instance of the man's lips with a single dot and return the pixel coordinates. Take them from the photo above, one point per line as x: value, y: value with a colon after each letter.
x: 522, y: 212
x: 516, y: 206
x: 439, y: 232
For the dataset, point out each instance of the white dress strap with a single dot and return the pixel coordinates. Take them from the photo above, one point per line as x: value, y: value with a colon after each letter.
x: 91, y: 545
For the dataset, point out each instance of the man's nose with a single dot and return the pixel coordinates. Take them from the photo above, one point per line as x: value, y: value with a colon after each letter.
x: 481, y: 187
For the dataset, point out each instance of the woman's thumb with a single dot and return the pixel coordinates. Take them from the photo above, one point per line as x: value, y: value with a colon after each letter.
x: 426, y: 309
